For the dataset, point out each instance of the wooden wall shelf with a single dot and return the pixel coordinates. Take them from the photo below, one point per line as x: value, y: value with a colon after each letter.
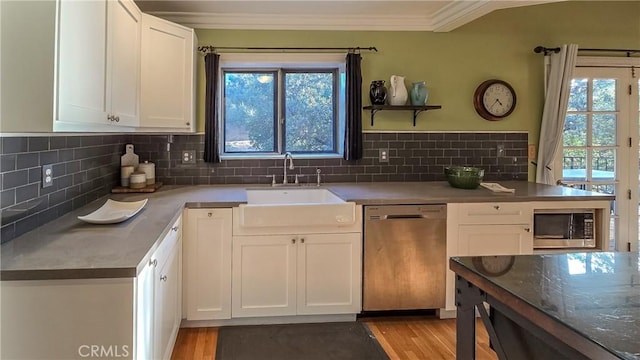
x: 417, y: 109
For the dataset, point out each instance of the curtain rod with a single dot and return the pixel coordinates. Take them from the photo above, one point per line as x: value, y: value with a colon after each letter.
x: 546, y: 50
x: 206, y: 49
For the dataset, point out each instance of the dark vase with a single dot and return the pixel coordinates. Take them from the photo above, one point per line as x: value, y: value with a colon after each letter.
x: 377, y: 92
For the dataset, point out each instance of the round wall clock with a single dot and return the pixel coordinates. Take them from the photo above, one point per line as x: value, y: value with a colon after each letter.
x: 493, y: 265
x: 494, y: 99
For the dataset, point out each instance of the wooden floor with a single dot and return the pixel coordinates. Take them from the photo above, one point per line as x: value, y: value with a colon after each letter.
x: 417, y: 338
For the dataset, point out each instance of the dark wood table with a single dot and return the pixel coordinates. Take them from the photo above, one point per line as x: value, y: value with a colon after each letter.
x: 564, y: 306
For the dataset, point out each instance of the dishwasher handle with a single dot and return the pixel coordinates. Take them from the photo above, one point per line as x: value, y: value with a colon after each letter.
x: 404, y: 216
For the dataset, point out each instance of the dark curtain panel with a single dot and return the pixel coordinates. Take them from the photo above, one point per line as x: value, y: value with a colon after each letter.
x: 211, y: 153
x: 353, y: 126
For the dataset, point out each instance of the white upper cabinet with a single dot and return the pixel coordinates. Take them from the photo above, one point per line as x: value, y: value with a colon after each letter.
x: 98, y: 65
x: 168, y: 86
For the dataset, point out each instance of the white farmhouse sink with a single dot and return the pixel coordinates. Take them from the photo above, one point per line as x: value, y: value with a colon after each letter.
x: 292, y: 196
x: 295, y: 207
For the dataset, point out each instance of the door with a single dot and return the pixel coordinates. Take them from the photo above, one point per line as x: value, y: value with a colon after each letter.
x: 82, y: 62
x: 167, y: 74
x: 484, y: 240
x: 167, y: 304
x: 264, y: 275
x: 144, y: 313
x: 600, y: 145
x: 329, y: 273
x: 207, y: 246
x: 123, y: 50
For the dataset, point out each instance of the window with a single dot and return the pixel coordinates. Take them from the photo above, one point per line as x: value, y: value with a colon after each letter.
x: 273, y: 106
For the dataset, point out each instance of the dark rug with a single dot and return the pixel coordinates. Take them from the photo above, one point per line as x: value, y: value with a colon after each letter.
x: 323, y: 341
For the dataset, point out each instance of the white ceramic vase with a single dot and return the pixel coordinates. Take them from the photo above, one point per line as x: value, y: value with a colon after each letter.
x: 398, y: 94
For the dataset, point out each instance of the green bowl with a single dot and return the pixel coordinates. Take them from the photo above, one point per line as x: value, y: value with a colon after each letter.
x: 464, y: 177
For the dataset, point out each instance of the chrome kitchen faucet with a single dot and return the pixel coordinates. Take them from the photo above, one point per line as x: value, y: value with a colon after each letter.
x: 291, y: 167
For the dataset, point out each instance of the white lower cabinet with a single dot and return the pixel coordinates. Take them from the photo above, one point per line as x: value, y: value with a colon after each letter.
x: 310, y: 274
x: 168, y: 310
x: 480, y: 240
x: 483, y: 229
x: 207, y: 264
x: 159, y: 298
x: 125, y: 318
x: 329, y: 269
x: 264, y: 275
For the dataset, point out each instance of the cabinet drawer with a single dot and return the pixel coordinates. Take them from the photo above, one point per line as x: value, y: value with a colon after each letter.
x: 495, y: 213
x: 163, y: 251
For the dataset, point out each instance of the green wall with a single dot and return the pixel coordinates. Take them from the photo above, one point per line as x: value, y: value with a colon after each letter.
x: 498, y: 45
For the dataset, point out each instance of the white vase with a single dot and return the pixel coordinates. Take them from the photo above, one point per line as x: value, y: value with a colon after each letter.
x: 398, y: 94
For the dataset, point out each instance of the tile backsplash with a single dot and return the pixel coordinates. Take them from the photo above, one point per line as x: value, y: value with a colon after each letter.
x: 412, y: 157
x: 87, y: 167
x: 84, y: 168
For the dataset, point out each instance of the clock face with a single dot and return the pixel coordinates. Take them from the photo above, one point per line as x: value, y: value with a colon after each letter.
x: 494, y: 99
x: 498, y: 100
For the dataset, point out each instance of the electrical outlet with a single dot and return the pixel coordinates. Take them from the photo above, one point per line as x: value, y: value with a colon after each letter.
x: 500, y: 150
x: 532, y: 152
x: 188, y: 156
x: 383, y: 155
x: 47, y: 175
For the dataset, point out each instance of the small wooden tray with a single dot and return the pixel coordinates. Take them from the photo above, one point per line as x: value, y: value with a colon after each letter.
x: 147, y: 189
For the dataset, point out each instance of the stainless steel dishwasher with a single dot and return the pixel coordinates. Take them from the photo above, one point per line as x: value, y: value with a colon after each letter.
x: 404, y: 257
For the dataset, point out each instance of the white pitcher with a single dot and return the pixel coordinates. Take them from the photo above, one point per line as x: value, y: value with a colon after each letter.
x: 398, y: 94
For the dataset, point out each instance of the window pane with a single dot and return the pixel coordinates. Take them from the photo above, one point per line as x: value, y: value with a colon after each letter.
x: 578, y: 95
x: 604, y: 130
x: 575, y: 130
x: 249, y: 100
x: 574, y: 164
x: 604, y: 164
x: 604, y: 94
x: 309, y: 115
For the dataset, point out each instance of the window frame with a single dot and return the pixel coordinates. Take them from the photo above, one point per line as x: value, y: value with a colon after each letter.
x: 280, y: 65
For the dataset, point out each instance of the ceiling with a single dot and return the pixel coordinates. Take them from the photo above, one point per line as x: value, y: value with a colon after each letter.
x: 388, y: 15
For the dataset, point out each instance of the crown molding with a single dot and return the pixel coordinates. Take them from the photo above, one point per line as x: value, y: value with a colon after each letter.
x: 459, y: 13
x: 298, y: 21
x: 448, y: 18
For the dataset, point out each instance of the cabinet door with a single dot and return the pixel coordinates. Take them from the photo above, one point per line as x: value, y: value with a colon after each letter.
x: 207, y: 245
x: 82, y: 62
x: 144, y: 313
x: 484, y: 240
x: 264, y: 275
x: 167, y: 75
x: 167, y: 304
x: 329, y: 273
x: 123, y: 51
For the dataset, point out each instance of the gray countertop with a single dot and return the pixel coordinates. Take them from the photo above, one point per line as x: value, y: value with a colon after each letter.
x: 68, y: 248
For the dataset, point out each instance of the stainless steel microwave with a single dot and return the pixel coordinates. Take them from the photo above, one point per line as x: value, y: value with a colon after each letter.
x: 562, y: 228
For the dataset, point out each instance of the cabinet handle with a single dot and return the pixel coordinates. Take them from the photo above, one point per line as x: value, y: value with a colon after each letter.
x: 163, y: 278
x: 527, y: 229
x: 497, y: 207
x: 302, y: 240
x: 210, y: 214
x: 117, y: 118
x: 153, y: 262
x: 293, y: 241
x: 110, y: 117
x: 175, y: 228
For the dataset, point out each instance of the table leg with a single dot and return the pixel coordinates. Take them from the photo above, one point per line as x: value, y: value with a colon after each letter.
x: 465, y: 321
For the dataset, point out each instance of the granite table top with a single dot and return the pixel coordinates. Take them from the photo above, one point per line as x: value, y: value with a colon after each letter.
x: 595, y: 294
